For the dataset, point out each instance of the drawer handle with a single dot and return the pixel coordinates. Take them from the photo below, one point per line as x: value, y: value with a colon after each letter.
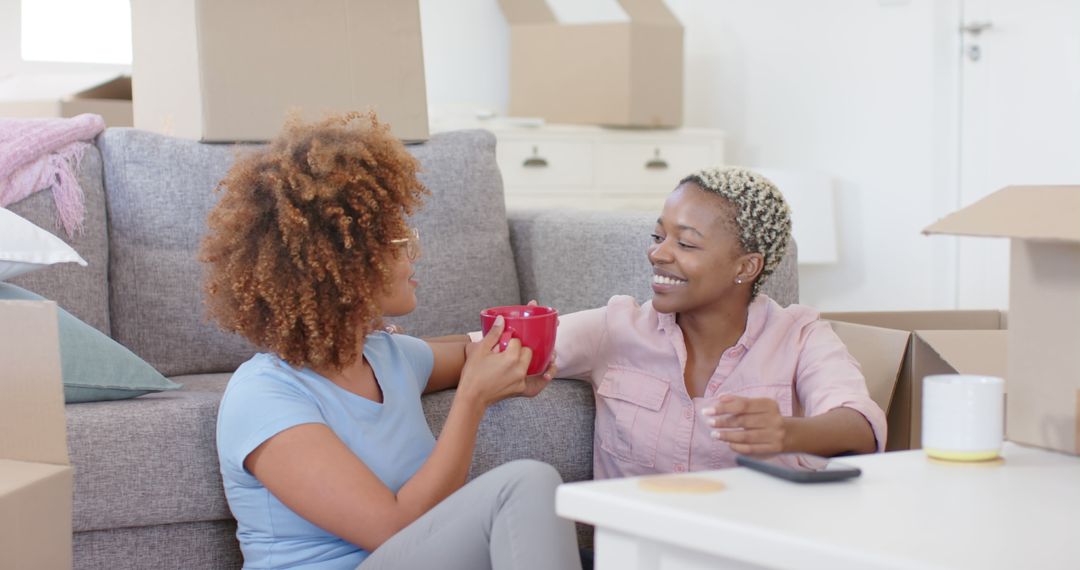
x: 656, y: 163
x: 535, y: 161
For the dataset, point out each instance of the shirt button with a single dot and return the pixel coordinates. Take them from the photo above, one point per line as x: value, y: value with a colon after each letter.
x: 679, y: 468
x: 688, y: 413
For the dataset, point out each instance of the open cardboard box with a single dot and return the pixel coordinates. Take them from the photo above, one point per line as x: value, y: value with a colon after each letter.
x: 1043, y: 379
x: 233, y: 71
x: 627, y: 74
x: 933, y: 342
x: 67, y: 95
x: 35, y: 473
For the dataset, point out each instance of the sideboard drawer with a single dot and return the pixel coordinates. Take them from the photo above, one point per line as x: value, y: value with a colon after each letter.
x: 657, y: 167
x: 545, y: 163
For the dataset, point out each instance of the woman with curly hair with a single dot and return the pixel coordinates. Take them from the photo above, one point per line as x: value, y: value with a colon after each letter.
x: 711, y: 367
x: 326, y: 456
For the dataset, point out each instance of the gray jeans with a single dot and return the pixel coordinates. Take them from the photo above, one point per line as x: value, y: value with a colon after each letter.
x: 503, y: 519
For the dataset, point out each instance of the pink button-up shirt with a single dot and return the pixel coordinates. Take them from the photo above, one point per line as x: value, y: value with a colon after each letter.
x: 647, y: 423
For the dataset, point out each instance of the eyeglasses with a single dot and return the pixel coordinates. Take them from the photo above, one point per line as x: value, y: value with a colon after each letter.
x: 411, y: 243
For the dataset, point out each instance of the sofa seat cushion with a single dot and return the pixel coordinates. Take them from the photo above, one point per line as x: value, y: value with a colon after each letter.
x: 555, y: 427
x: 148, y: 461
x: 153, y: 460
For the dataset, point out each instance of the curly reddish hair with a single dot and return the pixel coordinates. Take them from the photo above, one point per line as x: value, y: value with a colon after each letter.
x: 298, y: 247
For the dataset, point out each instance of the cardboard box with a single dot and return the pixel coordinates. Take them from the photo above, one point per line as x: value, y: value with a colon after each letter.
x: 880, y: 353
x: 67, y: 95
x: 627, y: 74
x: 1043, y: 223
x: 935, y: 342
x: 233, y: 71
x: 35, y: 473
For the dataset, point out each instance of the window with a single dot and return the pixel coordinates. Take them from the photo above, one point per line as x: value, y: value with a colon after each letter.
x: 90, y: 31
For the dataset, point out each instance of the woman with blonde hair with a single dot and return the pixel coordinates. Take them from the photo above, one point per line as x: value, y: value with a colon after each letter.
x: 326, y: 455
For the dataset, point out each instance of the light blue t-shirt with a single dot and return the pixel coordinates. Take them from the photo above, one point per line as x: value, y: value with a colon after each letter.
x: 266, y: 396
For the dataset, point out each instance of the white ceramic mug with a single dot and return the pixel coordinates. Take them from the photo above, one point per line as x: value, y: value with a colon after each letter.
x: 963, y: 416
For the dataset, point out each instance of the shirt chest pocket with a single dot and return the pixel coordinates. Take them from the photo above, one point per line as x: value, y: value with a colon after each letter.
x: 630, y: 413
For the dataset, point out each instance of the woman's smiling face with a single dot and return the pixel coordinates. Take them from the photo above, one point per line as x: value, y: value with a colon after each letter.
x: 695, y: 253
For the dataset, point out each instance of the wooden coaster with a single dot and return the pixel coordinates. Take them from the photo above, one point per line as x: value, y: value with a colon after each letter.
x: 987, y: 463
x: 681, y: 484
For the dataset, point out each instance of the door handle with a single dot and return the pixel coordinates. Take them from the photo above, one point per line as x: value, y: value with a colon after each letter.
x: 535, y: 161
x: 656, y: 163
x: 975, y: 28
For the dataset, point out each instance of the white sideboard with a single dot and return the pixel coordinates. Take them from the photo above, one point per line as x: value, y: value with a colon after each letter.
x: 594, y: 167
x: 583, y: 166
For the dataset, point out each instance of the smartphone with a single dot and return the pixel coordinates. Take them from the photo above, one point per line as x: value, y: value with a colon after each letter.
x: 799, y: 467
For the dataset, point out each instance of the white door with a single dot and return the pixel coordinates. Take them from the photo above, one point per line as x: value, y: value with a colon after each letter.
x: 1020, y: 119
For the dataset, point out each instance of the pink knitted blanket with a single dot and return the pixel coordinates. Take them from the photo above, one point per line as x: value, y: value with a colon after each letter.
x: 36, y: 154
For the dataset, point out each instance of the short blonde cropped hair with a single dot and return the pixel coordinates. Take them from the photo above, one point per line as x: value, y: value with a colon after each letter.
x: 762, y: 216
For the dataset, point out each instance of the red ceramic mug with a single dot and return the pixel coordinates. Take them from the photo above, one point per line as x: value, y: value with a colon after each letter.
x: 534, y: 326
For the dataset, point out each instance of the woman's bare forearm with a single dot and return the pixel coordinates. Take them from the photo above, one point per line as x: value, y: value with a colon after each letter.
x: 840, y: 430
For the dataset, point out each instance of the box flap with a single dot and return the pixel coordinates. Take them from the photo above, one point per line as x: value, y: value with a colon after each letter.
x: 58, y: 86
x: 17, y: 475
x: 649, y: 12
x: 527, y: 12
x: 538, y: 12
x: 971, y: 352
x: 880, y: 353
x: 1043, y: 213
x: 32, y: 422
x: 117, y: 88
x: 924, y: 320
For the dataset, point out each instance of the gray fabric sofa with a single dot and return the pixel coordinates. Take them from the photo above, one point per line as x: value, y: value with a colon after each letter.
x: 147, y: 488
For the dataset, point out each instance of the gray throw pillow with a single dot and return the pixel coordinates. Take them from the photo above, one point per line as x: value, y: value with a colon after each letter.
x: 94, y: 366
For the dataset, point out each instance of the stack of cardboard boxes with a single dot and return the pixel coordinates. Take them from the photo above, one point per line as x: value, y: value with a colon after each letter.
x: 35, y: 473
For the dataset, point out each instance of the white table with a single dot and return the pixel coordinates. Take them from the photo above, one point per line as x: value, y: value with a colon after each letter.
x: 905, y: 511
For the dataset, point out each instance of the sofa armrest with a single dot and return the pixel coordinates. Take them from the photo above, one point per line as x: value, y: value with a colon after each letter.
x: 578, y: 259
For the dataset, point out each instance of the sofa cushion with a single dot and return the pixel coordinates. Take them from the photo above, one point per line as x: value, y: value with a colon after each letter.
x: 94, y: 367
x: 555, y: 427
x: 148, y: 461
x: 153, y: 460
x: 24, y: 247
x: 181, y: 546
x: 574, y: 260
x: 84, y: 291
x: 467, y: 264
x: 161, y: 189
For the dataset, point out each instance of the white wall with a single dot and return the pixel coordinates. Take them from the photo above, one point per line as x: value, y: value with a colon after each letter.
x: 9, y: 36
x: 466, y: 53
x: 862, y: 90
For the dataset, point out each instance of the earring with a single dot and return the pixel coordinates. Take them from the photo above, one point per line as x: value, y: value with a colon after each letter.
x: 738, y: 280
